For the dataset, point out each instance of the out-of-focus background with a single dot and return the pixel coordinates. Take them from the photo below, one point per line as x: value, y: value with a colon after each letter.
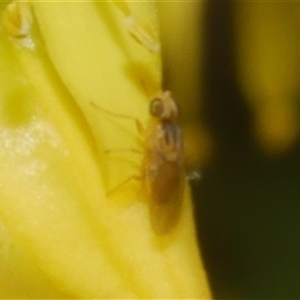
x: 234, y: 68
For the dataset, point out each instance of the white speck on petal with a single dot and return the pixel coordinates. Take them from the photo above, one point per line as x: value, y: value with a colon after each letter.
x: 17, y: 23
x: 24, y: 140
x: 22, y: 144
x: 141, y: 35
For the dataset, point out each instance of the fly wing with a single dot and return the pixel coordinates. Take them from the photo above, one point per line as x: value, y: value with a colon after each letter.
x: 166, y: 194
x: 164, y: 176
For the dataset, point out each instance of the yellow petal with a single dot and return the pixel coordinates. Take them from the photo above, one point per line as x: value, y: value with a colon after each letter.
x: 75, y: 241
x: 268, y: 53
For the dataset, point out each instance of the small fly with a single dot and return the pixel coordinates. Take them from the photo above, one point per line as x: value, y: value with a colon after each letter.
x: 162, y: 168
x: 163, y: 164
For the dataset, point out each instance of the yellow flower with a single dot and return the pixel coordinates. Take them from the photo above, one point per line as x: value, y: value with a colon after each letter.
x: 267, y: 53
x: 61, y: 234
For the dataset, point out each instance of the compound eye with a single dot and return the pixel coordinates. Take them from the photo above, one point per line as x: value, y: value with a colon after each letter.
x: 157, y: 107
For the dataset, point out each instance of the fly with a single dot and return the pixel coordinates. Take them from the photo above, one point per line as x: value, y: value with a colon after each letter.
x: 162, y: 169
x: 163, y: 164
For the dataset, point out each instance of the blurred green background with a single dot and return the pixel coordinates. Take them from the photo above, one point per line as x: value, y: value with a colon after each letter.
x: 247, y: 204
